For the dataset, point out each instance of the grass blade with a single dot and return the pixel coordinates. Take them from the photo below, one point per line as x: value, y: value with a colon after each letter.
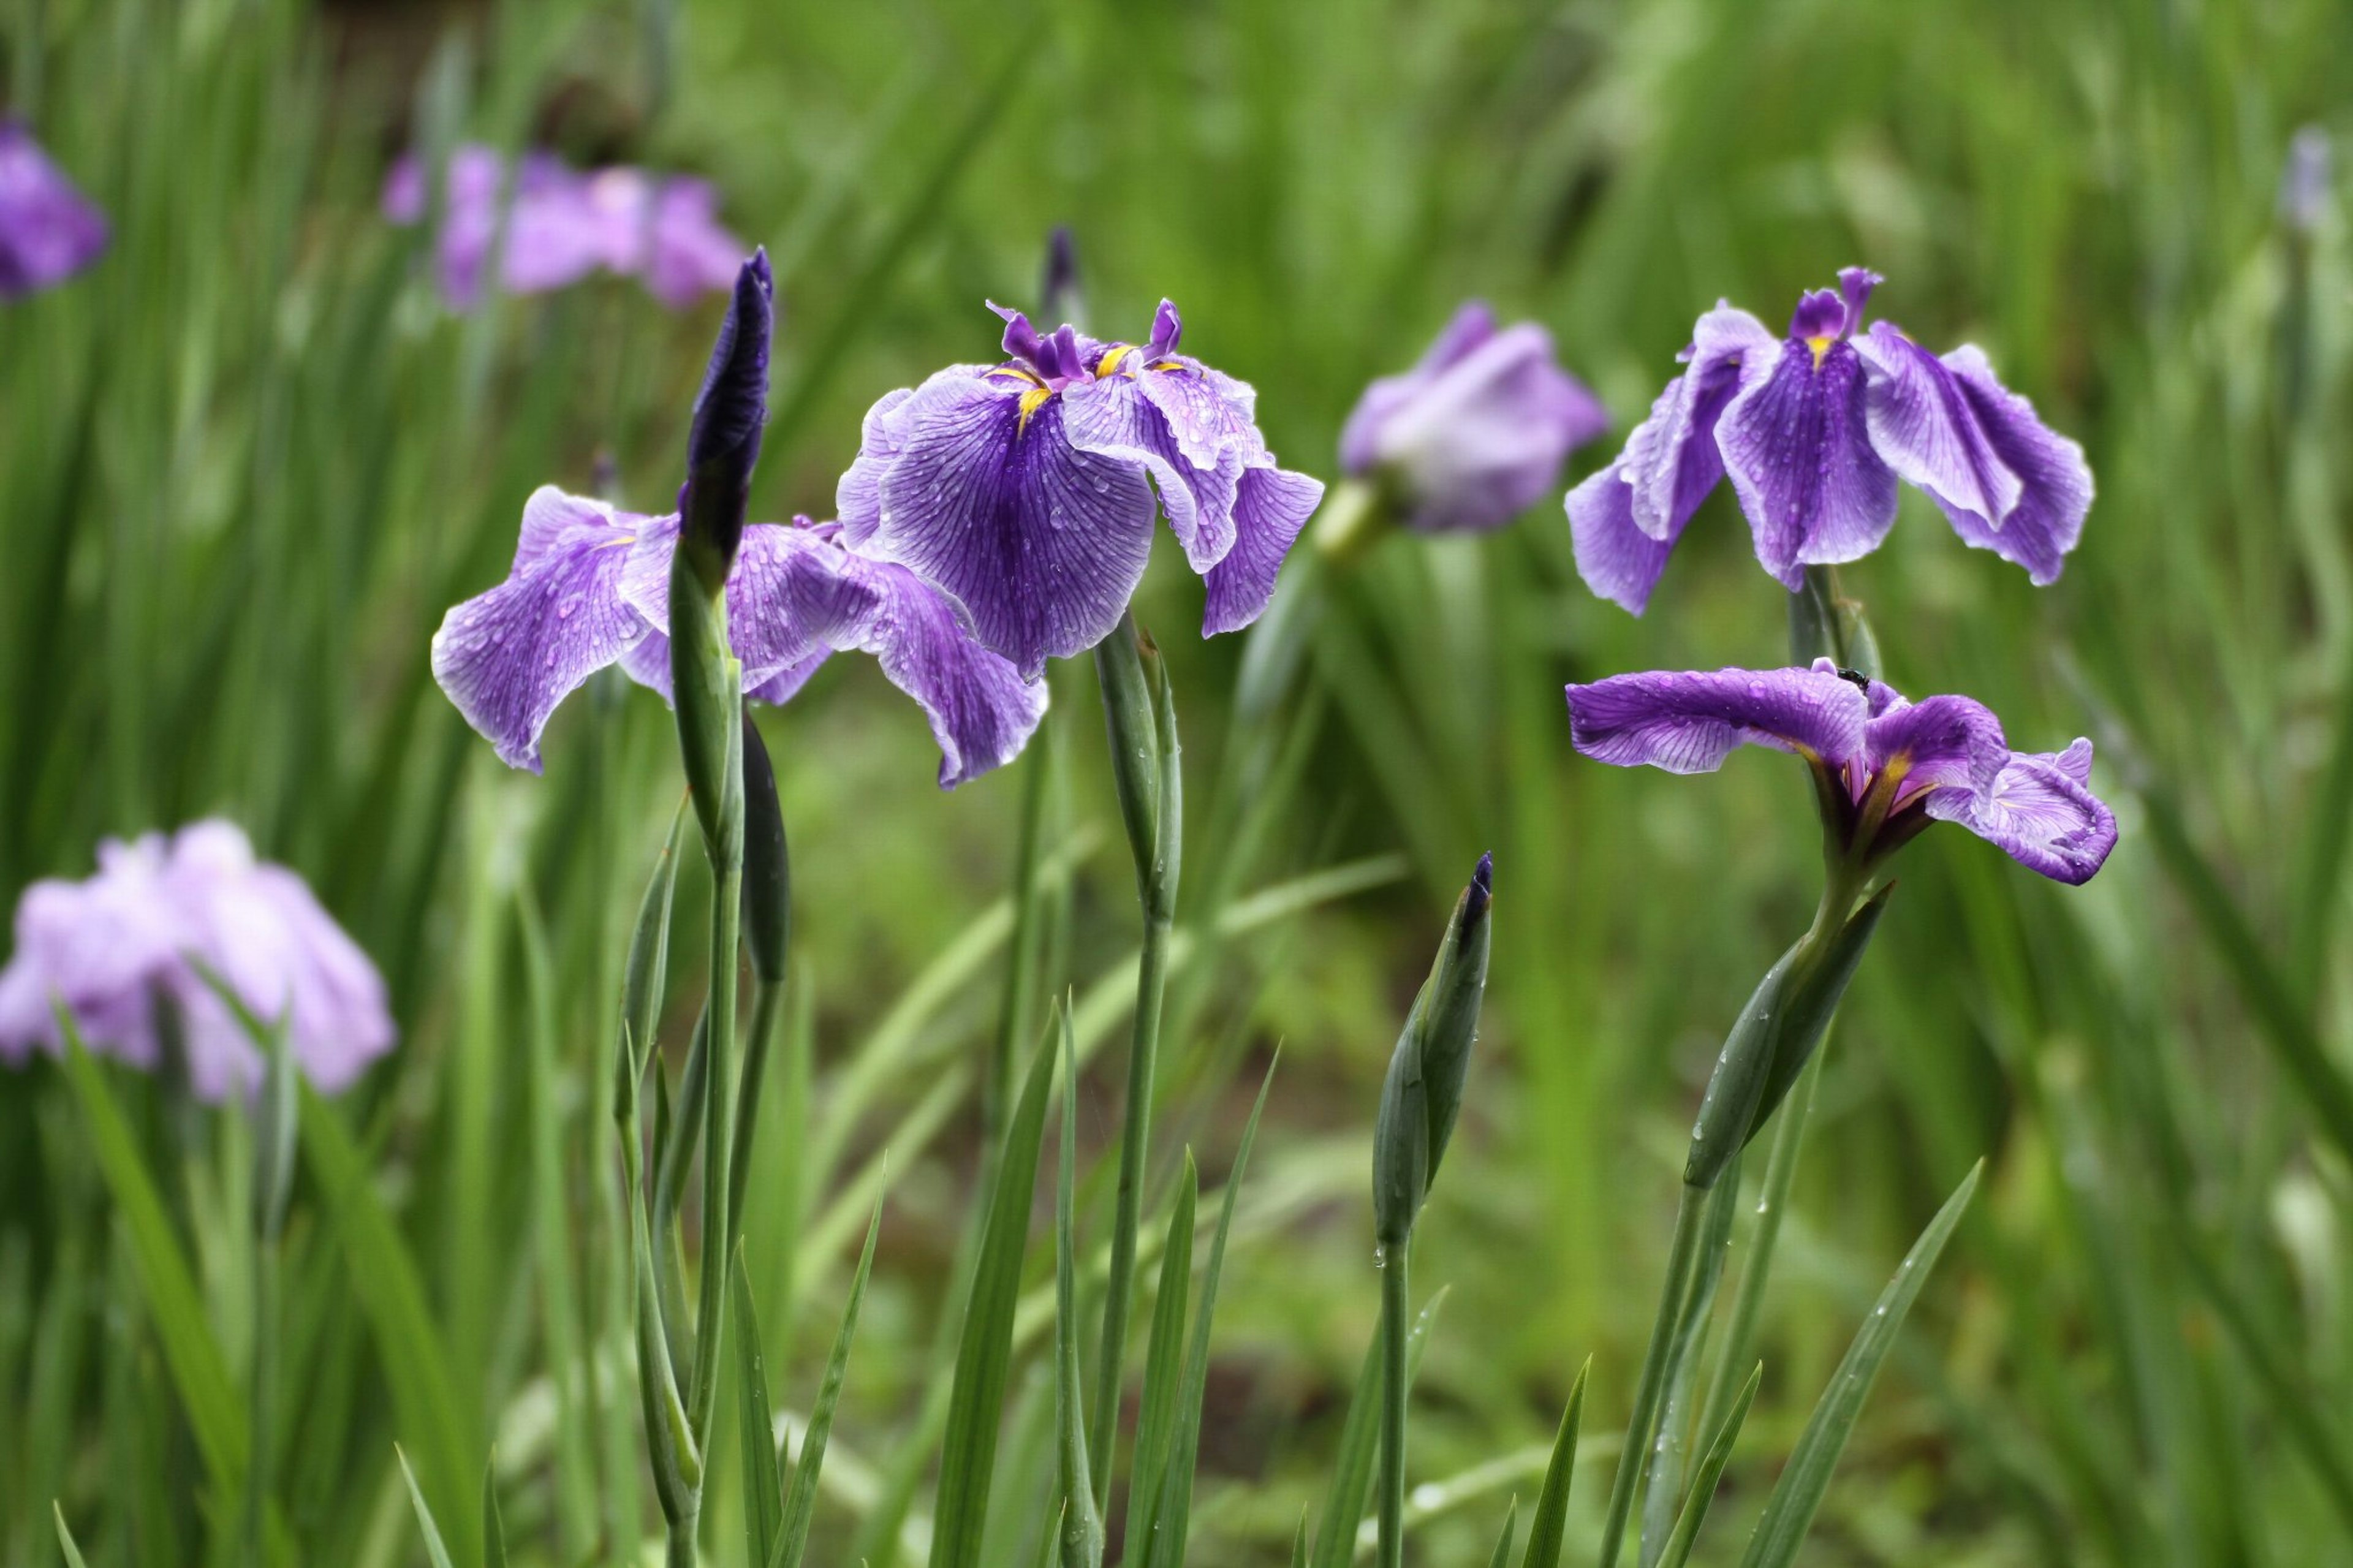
x: 1176, y: 1512
x: 763, y: 1491
x: 1081, y: 1528
x: 1502, y: 1556
x: 494, y: 1529
x: 1352, y: 1468
x: 1164, y: 1360
x: 1551, y: 1520
x: 66, y: 1539
x: 435, y: 1549
x: 800, y: 1507
x: 983, y: 1352
x: 1789, y: 1512
x: 1711, y: 1469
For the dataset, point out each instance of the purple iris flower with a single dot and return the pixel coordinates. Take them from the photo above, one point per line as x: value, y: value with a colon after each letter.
x: 1885, y: 767
x: 126, y: 953
x: 1815, y: 430
x: 1020, y: 490
x: 1474, y: 433
x: 48, y: 231
x: 589, y: 589
x: 563, y: 226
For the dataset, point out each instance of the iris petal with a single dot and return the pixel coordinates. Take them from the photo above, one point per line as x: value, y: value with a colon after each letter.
x: 1688, y: 722
x: 1616, y: 558
x: 1796, y: 446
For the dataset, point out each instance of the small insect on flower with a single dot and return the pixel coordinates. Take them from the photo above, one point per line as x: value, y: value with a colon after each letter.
x: 1814, y: 431
x: 1885, y: 767
x: 48, y: 231
x: 131, y: 955
x: 563, y: 226
x: 1019, y: 489
x: 1470, y: 437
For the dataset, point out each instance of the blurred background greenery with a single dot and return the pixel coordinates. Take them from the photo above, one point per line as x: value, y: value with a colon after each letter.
x: 247, y: 461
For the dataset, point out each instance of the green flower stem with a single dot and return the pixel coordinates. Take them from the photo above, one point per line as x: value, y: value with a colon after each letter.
x: 767, y: 1019
x: 1397, y: 1324
x: 1649, y: 1390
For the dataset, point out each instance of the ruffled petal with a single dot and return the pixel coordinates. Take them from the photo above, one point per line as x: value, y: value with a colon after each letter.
x: 2054, y: 482
x: 1041, y: 544
x: 1941, y: 744
x: 1270, y: 506
x: 1618, y: 561
x: 762, y: 629
x: 1689, y: 721
x: 2039, y: 812
x: 858, y: 498
x: 1117, y: 418
x: 1796, y: 444
x: 1921, y: 423
x: 1671, y: 458
x: 507, y: 657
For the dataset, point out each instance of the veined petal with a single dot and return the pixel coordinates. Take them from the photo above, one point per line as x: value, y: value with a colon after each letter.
x: 1922, y: 424
x: 762, y: 629
x: 858, y: 499
x: 1689, y: 721
x: 1117, y: 418
x: 1796, y: 445
x: 981, y: 711
x: 2054, y: 482
x: 1941, y: 744
x: 1618, y: 561
x: 1270, y: 506
x: 1671, y: 458
x: 507, y: 657
x: 2039, y: 812
x: 1042, y: 545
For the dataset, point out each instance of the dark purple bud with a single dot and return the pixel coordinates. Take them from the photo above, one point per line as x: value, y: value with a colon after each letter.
x: 1482, y: 892
x: 723, y: 442
x: 1059, y: 295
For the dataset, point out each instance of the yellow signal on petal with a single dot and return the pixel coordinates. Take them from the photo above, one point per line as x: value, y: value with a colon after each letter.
x: 1820, y: 347
x: 1032, y: 401
x: 1110, y: 362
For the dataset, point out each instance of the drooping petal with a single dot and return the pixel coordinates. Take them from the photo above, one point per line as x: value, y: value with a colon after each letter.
x: 1270, y: 506
x: 767, y: 639
x: 1618, y: 561
x: 1473, y: 439
x: 981, y: 711
x: 1942, y: 744
x: 1921, y: 423
x: 1117, y: 418
x: 48, y: 231
x: 1797, y: 446
x: 2039, y: 812
x: 2054, y: 482
x: 1672, y: 459
x: 1689, y: 721
x: 507, y: 657
x: 1041, y: 545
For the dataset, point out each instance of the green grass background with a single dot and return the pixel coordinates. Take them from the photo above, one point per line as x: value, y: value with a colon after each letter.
x: 247, y: 461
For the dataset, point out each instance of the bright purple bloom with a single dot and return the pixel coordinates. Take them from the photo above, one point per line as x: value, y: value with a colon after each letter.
x: 1475, y: 431
x: 1019, y: 489
x: 589, y: 588
x: 1886, y: 766
x: 48, y: 231
x: 1814, y: 431
x: 126, y: 951
x: 563, y: 226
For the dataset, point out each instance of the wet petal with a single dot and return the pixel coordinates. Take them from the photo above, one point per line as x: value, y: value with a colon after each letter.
x: 1796, y: 446
x: 1942, y: 744
x: 1921, y: 423
x: 1270, y: 506
x: 507, y: 657
x: 858, y: 498
x: 1117, y: 418
x: 2054, y: 482
x: 762, y: 629
x: 1689, y: 721
x: 2039, y: 813
x: 1671, y: 458
x: 1041, y: 545
x: 1618, y: 561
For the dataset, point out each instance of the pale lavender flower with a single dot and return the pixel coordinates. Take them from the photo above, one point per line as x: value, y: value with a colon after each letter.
x: 564, y: 225
x: 1024, y: 491
x: 1474, y: 433
x: 1886, y: 766
x: 126, y: 953
x: 49, y: 230
x: 589, y: 589
x: 1814, y: 431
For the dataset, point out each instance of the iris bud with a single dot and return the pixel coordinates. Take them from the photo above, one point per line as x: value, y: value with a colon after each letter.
x: 767, y: 868
x: 1423, y: 1093
x: 723, y: 442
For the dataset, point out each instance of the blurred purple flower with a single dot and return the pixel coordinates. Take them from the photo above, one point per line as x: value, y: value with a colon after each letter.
x: 563, y: 226
x: 1472, y: 435
x: 125, y: 953
x: 2306, y: 180
x: 1019, y: 489
x: 1887, y: 767
x: 589, y: 589
x: 1814, y: 431
x: 48, y: 231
